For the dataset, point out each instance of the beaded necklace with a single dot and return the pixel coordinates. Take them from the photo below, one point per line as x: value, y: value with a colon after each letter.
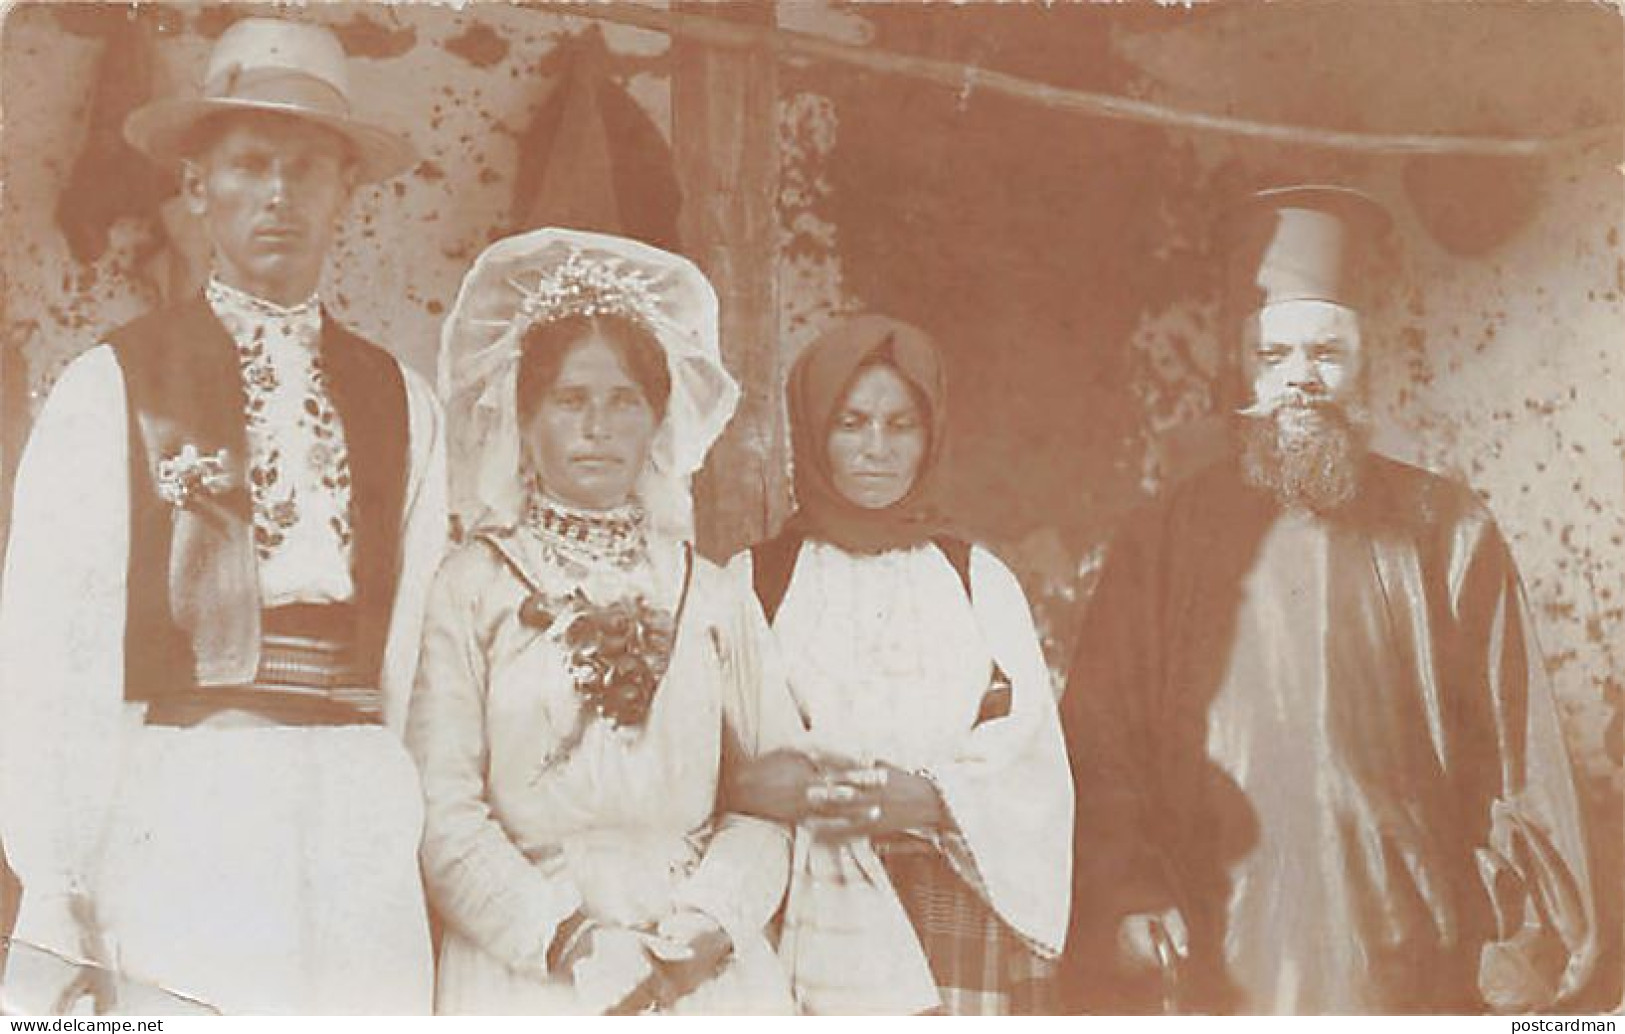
x: 588, y: 538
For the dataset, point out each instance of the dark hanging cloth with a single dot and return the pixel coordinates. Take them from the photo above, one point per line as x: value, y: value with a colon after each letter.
x: 1447, y: 830
x: 111, y: 180
x: 593, y: 160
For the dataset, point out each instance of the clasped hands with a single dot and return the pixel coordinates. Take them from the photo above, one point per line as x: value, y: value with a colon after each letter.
x: 623, y: 970
x: 836, y: 797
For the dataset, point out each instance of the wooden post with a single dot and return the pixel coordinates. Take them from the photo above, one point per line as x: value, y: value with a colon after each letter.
x: 725, y: 144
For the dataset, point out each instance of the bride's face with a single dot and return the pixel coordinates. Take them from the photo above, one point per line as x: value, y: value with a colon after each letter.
x: 592, y: 429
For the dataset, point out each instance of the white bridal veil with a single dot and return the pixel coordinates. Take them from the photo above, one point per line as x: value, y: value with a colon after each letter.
x: 547, y: 274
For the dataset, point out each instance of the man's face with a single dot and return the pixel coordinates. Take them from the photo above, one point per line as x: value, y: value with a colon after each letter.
x: 1303, y: 359
x: 269, y: 189
x: 1305, y: 433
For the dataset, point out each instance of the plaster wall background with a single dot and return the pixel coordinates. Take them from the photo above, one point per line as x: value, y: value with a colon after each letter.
x: 1066, y: 264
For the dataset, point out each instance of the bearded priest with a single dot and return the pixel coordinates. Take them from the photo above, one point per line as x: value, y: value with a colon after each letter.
x: 1319, y: 766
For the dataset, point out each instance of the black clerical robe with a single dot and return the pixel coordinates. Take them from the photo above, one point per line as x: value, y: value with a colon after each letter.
x: 1330, y: 742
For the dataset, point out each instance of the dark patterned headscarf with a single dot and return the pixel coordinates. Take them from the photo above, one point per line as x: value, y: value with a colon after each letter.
x: 818, y: 387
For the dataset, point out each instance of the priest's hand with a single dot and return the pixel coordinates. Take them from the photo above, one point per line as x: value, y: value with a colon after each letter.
x: 1153, y: 940
x: 1523, y: 973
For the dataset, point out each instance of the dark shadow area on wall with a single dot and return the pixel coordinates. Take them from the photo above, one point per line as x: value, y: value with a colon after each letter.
x: 1029, y: 242
x: 1032, y: 243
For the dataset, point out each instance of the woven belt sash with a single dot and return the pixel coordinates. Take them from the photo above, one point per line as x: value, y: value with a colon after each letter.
x: 308, y: 675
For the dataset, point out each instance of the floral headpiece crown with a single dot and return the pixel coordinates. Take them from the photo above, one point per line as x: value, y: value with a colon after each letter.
x: 583, y: 286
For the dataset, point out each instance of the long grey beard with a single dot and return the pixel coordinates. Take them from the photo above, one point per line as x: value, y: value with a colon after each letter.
x: 1318, y: 471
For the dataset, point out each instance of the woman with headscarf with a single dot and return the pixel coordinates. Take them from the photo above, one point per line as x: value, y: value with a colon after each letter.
x: 582, y: 667
x: 928, y: 784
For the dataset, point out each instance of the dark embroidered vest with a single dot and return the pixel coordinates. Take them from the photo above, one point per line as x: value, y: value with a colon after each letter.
x: 194, y: 599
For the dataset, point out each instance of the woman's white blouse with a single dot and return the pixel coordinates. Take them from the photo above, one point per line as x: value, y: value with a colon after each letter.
x: 885, y: 656
x: 888, y: 658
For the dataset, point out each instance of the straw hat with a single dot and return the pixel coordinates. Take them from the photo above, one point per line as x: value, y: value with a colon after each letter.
x: 266, y: 64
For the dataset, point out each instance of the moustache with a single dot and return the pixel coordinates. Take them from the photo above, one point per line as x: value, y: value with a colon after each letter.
x: 1269, y: 407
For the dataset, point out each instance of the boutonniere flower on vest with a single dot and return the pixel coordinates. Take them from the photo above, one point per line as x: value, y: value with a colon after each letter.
x: 188, y: 474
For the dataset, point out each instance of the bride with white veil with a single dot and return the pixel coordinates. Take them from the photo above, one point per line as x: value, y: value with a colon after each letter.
x: 583, y: 669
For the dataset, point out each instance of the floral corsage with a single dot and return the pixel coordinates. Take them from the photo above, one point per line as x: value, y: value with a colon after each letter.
x: 618, y: 653
x: 189, y: 473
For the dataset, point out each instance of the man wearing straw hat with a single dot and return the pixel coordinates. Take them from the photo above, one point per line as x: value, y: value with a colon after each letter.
x: 1319, y: 766
x: 225, y: 522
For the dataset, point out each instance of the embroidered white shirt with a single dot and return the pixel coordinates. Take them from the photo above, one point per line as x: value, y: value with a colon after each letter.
x: 298, y: 464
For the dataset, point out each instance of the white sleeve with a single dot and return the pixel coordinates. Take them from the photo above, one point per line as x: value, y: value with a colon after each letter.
x: 477, y: 878
x: 763, y: 712
x: 424, y: 534
x: 742, y: 879
x: 62, y: 616
x: 1009, y: 791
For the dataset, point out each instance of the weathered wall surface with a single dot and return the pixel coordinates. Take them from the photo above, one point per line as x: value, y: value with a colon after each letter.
x: 1066, y: 264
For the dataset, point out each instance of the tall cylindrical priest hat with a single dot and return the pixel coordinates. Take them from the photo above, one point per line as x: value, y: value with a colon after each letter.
x: 1310, y: 242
